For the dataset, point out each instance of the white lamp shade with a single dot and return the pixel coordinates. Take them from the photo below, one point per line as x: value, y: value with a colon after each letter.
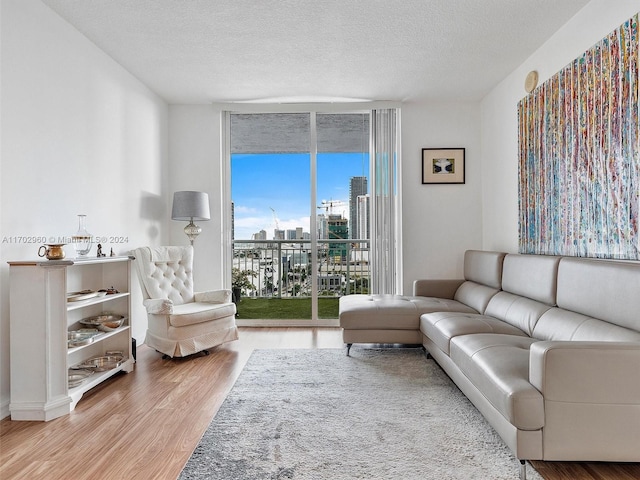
x: 189, y: 205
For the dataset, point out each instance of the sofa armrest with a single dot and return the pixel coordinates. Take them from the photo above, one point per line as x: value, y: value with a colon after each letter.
x: 586, y: 372
x: 436, y: 288
x: 158, y: 306
x: 213, y: 296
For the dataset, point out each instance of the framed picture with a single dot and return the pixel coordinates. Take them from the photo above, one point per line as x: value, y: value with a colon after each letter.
x: 442, y: 165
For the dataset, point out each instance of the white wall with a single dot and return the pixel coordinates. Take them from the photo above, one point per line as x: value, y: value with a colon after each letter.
x: 195, y: 164
x: 499, y: 115
x: 79, y: 135
x: 439, y: 222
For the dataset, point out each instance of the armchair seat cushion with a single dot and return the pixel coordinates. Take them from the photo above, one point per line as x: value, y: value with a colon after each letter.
x: 199, y: 312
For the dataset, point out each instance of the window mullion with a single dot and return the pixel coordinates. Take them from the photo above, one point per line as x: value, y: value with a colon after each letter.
x: 313, y: 224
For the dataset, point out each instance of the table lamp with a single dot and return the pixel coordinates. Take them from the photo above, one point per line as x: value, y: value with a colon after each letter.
x: 190, y: 206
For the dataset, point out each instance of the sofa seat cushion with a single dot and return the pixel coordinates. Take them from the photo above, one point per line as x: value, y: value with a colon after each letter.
x: 395, y: 312
x: 441, y: 327
x: 498, y: 365
x: 198, y: 312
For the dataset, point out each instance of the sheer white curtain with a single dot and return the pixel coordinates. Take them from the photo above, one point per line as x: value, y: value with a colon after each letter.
x: 386, y: 242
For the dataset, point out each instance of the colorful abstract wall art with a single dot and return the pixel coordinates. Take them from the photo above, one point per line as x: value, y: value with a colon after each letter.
x: 579, y: 155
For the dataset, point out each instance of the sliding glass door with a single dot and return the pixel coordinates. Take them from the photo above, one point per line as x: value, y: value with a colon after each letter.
x: 301, y: 213
x: 342, y: 215
x: 271, y: 225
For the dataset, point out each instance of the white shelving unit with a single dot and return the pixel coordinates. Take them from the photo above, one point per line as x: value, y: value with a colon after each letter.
x: 41, y: 316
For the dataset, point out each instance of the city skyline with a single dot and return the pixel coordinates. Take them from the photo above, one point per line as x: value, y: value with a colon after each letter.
x: 270, y: 188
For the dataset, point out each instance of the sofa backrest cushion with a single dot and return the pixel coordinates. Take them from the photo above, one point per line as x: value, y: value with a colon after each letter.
x: 475, y: 295
x: 519, y: 311
x: 606, y: 290
x: 531, y: 276
x: 484, y: 267
x: 563, y: 325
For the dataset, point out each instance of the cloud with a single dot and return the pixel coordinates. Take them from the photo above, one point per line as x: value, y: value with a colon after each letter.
x: 240, y: 209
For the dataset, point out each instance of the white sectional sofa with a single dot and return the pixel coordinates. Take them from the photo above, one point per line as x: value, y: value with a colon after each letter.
x: 396, y: 318
x: 549, y: 353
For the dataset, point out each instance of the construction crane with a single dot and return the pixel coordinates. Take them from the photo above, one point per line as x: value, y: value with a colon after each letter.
x: 328, y: 205
x: 275, y: 220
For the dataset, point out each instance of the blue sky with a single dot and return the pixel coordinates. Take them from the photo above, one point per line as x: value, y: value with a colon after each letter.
x: 260, y: 182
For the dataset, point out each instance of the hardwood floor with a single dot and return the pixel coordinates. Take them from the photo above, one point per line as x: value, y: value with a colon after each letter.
x: 145, y: 424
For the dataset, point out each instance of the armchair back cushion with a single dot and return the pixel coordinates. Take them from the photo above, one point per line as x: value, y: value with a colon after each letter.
x: 166, y: 272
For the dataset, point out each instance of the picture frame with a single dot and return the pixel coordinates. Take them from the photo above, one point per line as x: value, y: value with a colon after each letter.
x: 443, y: 166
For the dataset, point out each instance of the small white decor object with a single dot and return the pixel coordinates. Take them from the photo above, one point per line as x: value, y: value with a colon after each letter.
x: 81, y: 239
x: 531, y: 82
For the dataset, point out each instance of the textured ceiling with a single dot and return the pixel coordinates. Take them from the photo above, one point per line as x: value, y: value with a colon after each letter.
x: 202, y: 51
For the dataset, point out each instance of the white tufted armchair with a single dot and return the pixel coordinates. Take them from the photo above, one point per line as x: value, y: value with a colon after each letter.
x: 181, y: 322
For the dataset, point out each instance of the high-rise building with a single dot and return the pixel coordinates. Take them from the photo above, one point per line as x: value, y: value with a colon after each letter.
x: 362, y: 216
x: 357, y: 187
x: 233, y: 221
x: 296, y: 234
x: 338, y: 230
x: 322, y: 226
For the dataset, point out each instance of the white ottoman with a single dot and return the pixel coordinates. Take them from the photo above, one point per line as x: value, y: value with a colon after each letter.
x: 388, y: 318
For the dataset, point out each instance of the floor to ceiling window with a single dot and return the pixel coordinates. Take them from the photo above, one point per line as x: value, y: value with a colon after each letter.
x: 301, y: 213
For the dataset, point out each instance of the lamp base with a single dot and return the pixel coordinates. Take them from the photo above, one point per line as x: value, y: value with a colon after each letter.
x: 192, y: 231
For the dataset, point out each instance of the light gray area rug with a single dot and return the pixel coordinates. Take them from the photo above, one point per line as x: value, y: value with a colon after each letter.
x: 318, y: 414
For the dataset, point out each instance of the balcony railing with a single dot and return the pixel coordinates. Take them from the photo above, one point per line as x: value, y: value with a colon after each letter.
x: 283, y: 268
